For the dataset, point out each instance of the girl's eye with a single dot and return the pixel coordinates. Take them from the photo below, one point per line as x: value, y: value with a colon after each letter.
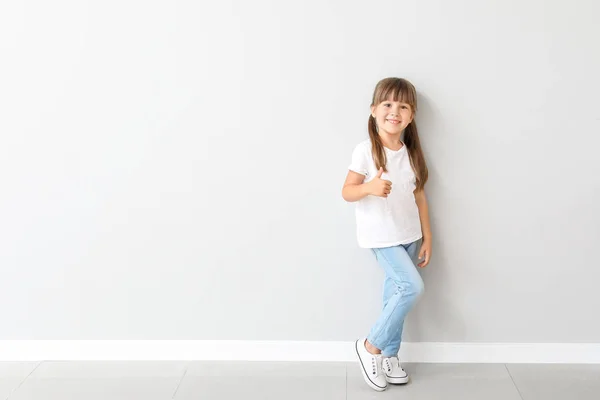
x: 387, y: 105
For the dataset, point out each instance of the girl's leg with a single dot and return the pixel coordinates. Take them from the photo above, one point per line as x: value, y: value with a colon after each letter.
x: 389, y: 288
x: 405, y: 287
x: 391, y: 350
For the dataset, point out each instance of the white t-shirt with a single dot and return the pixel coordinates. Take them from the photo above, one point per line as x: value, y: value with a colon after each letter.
x: 386, y: 221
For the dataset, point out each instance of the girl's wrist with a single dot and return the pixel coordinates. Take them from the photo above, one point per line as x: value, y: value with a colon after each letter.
x: 367, y: 188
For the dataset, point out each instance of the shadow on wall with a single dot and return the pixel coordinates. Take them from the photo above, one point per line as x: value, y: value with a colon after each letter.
x: 437, y: 311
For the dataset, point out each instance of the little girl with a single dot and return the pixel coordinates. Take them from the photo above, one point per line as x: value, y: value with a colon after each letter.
x: 386, y: 179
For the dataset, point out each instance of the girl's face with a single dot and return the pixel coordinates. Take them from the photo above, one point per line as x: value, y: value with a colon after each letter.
x: 392, y: 117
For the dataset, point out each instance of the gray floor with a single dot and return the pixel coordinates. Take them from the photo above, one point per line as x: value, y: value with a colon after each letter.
x: 132, y: 380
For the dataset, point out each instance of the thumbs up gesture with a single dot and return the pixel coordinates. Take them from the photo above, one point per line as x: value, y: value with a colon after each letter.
x: 380, y: 187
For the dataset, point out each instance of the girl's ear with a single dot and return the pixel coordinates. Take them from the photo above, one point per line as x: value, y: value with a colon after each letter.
x: 373, y: 111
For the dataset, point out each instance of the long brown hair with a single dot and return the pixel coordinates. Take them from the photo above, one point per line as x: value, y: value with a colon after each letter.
x: 399, y: 89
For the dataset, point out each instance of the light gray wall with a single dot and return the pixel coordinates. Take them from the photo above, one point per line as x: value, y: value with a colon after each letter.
x: 173, y: 170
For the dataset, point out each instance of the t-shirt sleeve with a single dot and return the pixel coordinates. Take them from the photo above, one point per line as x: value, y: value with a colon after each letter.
x: 359, y: 160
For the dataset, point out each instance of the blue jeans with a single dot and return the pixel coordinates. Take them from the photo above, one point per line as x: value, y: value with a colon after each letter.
x: 401, y: 289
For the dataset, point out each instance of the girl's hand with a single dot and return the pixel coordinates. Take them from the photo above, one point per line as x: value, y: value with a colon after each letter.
x: 380, y: 187
x: 425, y: 253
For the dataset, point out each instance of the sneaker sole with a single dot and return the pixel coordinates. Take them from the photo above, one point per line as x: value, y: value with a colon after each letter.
x: 364, y: 372
x: 397, y: 381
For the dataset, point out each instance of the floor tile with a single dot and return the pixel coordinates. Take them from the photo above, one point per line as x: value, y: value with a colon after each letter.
x: 110, y: 369
x: 263, y: 381
x: 114, y: 380
x: 441, y: 381
x: 224, y: 380
x: 12, y: 374
x: 261, y: 368
x: 557, y: 381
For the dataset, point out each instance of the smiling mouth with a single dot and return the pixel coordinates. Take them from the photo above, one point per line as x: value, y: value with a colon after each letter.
x: 394, y: 122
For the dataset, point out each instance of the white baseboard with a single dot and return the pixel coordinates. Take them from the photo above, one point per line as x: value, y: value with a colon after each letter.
x: 44, y: 350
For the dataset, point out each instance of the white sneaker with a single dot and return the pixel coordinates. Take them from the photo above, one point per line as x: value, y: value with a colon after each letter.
x: 370, y: 365
x: 394, y: 373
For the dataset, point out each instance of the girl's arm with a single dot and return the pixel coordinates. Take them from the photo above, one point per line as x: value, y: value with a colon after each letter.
x: 354, y: 189
x: 425, y: 251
